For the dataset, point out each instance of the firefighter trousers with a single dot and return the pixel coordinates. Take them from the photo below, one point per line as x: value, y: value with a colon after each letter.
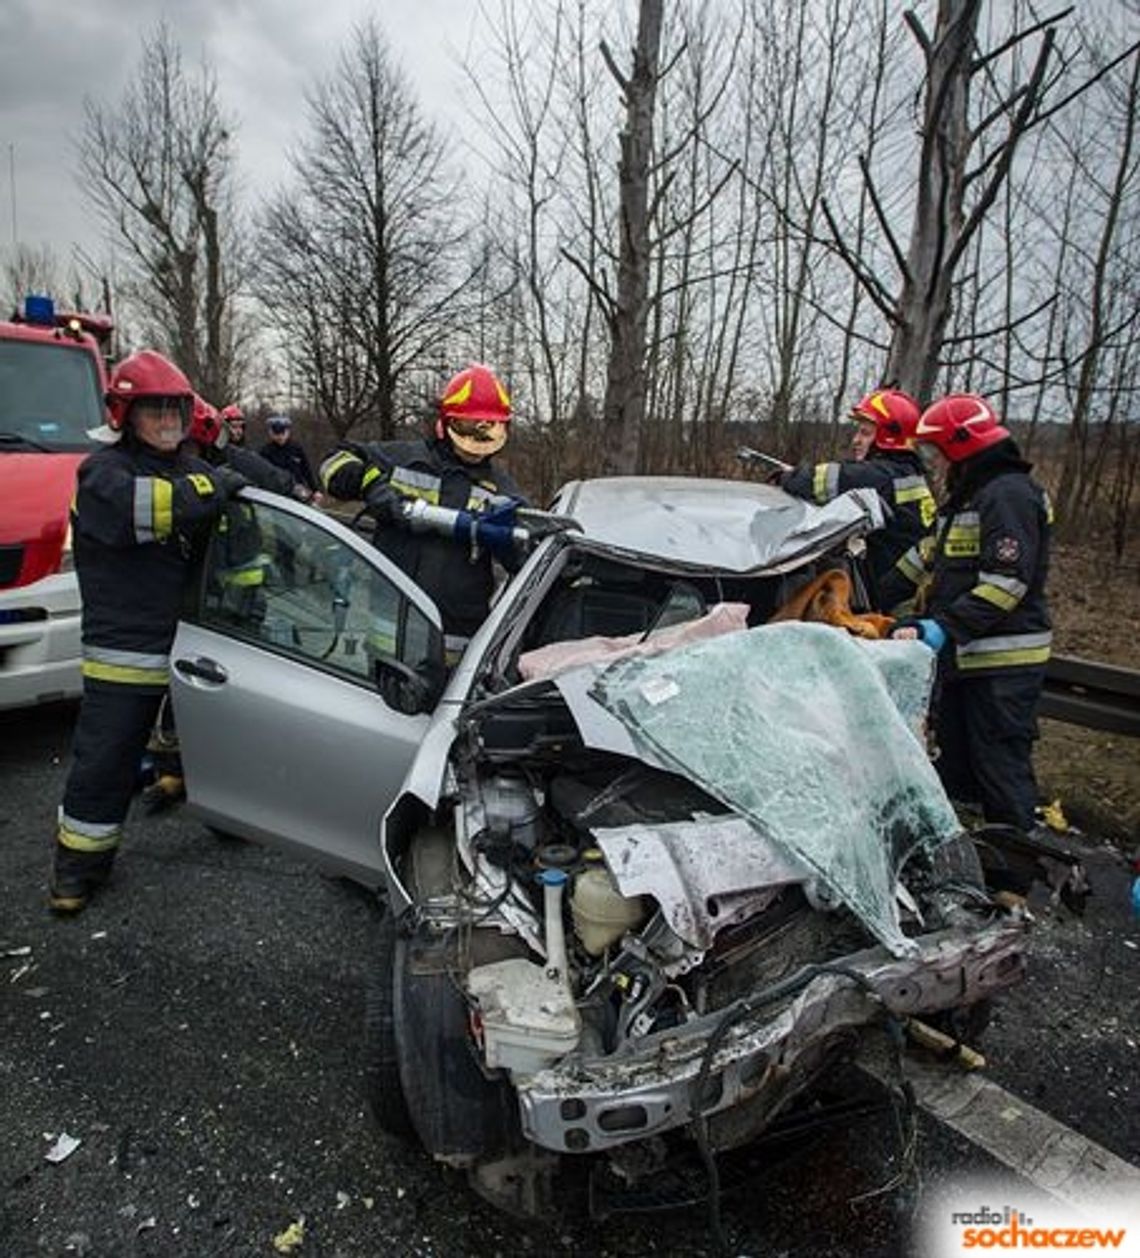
x: 111, y: 734
x: 985, y: 729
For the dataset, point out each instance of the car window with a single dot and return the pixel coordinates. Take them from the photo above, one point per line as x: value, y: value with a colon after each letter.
x: 283, y: 582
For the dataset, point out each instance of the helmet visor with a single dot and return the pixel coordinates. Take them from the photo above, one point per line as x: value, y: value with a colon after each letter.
x: 481, y: 437
x: 161, y: 422
x: 164, y: 409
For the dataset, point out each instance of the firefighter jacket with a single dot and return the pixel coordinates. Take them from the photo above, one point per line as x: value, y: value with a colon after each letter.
x: 898, y: 478
x: 459, y: 580
x: 983, y: 574
x: 137, y: 522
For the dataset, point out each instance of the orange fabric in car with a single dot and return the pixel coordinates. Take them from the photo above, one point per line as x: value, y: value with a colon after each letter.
x: 827, y: 601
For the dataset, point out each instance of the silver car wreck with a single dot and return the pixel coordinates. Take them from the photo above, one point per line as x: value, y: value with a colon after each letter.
x: 654, y: 856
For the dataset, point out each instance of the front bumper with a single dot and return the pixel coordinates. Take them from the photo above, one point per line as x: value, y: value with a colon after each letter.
x: 595, y: 1104
x: 40, y: 645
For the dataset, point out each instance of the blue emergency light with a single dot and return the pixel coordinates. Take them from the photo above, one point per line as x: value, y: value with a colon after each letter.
x: 39, y: 309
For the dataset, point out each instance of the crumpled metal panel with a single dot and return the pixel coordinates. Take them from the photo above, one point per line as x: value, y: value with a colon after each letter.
x: 704, y: 874
x: 715, y: 525
x: 810, y: 735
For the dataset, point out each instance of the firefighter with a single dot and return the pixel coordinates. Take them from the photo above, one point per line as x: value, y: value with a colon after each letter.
x: 140, y: 511
x: 883, y: 459
x: 452, y: 469
x: 984, y: 608
x: 234, y: 418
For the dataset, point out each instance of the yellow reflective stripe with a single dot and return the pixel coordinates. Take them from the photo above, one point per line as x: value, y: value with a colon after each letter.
x: 1003, y: 659
x: 163, y: 508
x: 202, y: 483
x: 87, y: 842
x: 337, y: 460
x: 999, y: 598
x: 1048, y: 506
x: 244, y: 576
x: 418, y: 480
x: 962, y: 543
x: 415, y: 491
x: 916, y: 493
x: 911, y: 566
x: 373, y: 473
x: 125, y: 674
x: 819, y: 482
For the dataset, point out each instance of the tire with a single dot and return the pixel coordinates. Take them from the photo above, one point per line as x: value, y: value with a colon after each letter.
x: 383, y: 1091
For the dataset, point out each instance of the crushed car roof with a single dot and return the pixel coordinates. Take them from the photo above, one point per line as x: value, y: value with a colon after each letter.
x: 726, y: 525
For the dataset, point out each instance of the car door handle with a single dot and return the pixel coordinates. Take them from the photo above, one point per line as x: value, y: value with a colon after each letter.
x: 206, y: 670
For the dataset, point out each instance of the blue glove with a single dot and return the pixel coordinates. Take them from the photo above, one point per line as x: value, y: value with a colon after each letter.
x: 503, y: 514
x: 932, y: 633
x: 499, y: 539
x: 489, y: 531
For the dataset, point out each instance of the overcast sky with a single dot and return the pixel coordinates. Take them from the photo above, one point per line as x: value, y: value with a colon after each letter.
x: 266, y: 53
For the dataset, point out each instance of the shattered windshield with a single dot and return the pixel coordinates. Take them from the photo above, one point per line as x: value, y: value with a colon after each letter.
x: 812, y: 735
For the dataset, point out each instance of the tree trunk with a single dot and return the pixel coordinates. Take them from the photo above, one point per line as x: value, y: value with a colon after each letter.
x: 624, y: 407
x: 923, y: 308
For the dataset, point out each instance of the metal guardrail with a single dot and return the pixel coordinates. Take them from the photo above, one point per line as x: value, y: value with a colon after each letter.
x: 1099, y: 696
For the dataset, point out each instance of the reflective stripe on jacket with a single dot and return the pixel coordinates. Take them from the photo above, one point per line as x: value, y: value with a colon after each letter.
x: 137, y: 520
x: 390, y: 473
x: 898, y: 478
x: 985, y: 574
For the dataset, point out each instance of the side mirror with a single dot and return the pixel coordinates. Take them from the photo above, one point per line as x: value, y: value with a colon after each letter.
x: 405, y: 689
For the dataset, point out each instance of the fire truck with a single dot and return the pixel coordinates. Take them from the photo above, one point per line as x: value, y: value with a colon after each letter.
x: 53, y: 378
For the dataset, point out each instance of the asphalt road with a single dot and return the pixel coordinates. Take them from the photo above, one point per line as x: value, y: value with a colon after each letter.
x: 198, y: 1030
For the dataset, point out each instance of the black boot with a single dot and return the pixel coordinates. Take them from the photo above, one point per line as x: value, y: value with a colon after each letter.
x: 75, y: 877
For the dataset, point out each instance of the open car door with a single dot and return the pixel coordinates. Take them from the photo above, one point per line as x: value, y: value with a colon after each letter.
x: 303, y: 677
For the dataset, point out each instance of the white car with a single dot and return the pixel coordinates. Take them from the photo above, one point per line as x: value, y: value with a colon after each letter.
x: 652, y: 855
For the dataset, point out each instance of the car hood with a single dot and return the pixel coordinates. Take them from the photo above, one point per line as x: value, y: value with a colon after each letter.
x: 722, y: 525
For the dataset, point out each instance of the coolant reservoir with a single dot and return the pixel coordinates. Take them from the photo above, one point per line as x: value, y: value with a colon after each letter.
x: 601, y: 913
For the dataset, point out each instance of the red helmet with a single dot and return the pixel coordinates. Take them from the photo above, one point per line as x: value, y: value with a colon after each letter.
x: 206, y: 427
x: 474, y: 411
x: 145, y: 374
x: 960, y: 425
x: 233, y: 411
x: 895, y: 415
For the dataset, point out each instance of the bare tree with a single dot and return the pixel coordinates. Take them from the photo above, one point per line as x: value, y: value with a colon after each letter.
x: 1111, y: 310
x: 365, y: 266
x: 159, y: 169
x: 945, y: 221
x: 30, y: 270
x: 624, y: 406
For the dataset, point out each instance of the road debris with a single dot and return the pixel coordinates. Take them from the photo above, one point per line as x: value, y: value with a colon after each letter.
x: 63, y: 1148
x: 293, y: 1237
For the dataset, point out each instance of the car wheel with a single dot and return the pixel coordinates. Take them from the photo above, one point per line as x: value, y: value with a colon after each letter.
x: 382, y: 1088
